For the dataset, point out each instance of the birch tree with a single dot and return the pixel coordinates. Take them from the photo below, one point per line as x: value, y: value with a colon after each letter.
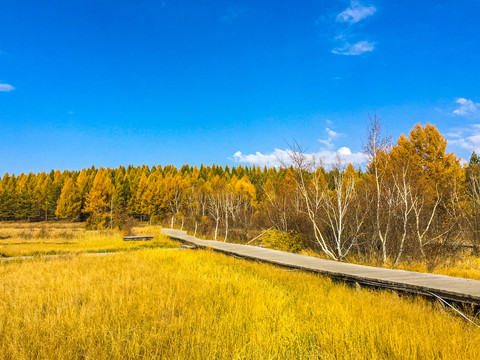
x: 312, y: 187
x: 376, y: 149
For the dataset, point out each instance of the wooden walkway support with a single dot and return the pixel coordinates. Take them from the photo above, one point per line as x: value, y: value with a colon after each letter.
x: 449, y: 288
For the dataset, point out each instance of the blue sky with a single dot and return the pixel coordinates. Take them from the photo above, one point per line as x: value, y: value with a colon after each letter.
x: 110, y: 83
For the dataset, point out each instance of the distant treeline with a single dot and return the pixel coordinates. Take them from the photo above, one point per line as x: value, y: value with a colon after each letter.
x: 412, y: 200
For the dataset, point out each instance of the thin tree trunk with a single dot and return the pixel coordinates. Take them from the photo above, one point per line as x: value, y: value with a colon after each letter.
x: 111, y: 213
x: 402, y: 243
x: 216, y: 229
x: 226, y: 228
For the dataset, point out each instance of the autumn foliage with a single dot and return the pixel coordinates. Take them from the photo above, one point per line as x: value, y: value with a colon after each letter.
x: 413, y: 199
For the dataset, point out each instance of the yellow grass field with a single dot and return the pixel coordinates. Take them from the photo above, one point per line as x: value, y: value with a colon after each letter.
x: 175, y: 304
x: 39, y: 239
x: 467, y: 266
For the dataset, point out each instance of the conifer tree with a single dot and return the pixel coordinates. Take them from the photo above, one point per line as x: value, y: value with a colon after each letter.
x: 122, y: 195
x: 24, y: 206
x: 474, y: 159
x: 69, y: 203
x: 83, y: 186
x: 8, y: 198
x: 99, y: 200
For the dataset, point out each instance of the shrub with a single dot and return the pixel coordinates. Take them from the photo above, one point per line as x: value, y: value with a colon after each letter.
x: 284, y: 241
x: 125, y: 223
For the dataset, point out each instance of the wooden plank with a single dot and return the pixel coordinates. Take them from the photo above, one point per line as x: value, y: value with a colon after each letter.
x: 430, y: 285
x: 138, y: 238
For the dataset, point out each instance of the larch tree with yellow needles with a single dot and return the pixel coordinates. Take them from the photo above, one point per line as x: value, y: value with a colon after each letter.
x: 431, y: 184
x: 99, y: 200
x: 69, y: 203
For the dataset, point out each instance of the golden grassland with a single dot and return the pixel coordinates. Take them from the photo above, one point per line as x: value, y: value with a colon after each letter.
x: 463, y: 265
x: 163, y: 304
x: 40, y: 238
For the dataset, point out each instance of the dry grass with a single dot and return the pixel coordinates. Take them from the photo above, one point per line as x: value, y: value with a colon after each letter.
x: 161, y: 304
x: 39, y: 239
x: 465, y: 265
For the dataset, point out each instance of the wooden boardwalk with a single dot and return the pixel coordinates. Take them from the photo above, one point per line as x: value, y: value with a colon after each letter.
x: 446, y: 287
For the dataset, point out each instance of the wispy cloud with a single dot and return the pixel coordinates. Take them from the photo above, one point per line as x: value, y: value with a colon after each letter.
x: 467, y: 108
x: 466, y: 138
x: 331, y: 135
x: 6, y: 88
x: 356, y: 12
x: 279, y: 157
x: 355, y: 49
x: 345, y: 34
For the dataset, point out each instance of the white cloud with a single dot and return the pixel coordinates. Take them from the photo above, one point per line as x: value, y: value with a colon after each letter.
x: 467, y: 138
x: 6, y: 88
x: 331, y: 135
x: 467, y: 108
x: 356, y: 12
x: 279, y: 157
x: 352, y: 15
x: 355, y: 49
x: 453, y: 134
x: 471, y: 143
x: 275, y: 158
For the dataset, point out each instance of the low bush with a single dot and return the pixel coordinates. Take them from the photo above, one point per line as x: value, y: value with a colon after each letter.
x: 284, y: 241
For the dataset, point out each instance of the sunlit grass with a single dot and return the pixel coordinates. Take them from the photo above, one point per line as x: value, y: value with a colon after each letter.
x: 467, y: 265
x: 163, y: 304
x: 40, y: 240
x: 464, y: 265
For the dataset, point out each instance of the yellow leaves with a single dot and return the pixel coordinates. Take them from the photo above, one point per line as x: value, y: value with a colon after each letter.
x: 424, y: 155
x: 68, y: 206
x: 99, y: 197
x: 350, y: 171
x: 216, y: 184
x: 21, y: 181
x: 350, y: 175
x: 245, y: 188
x: 282, y: 240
